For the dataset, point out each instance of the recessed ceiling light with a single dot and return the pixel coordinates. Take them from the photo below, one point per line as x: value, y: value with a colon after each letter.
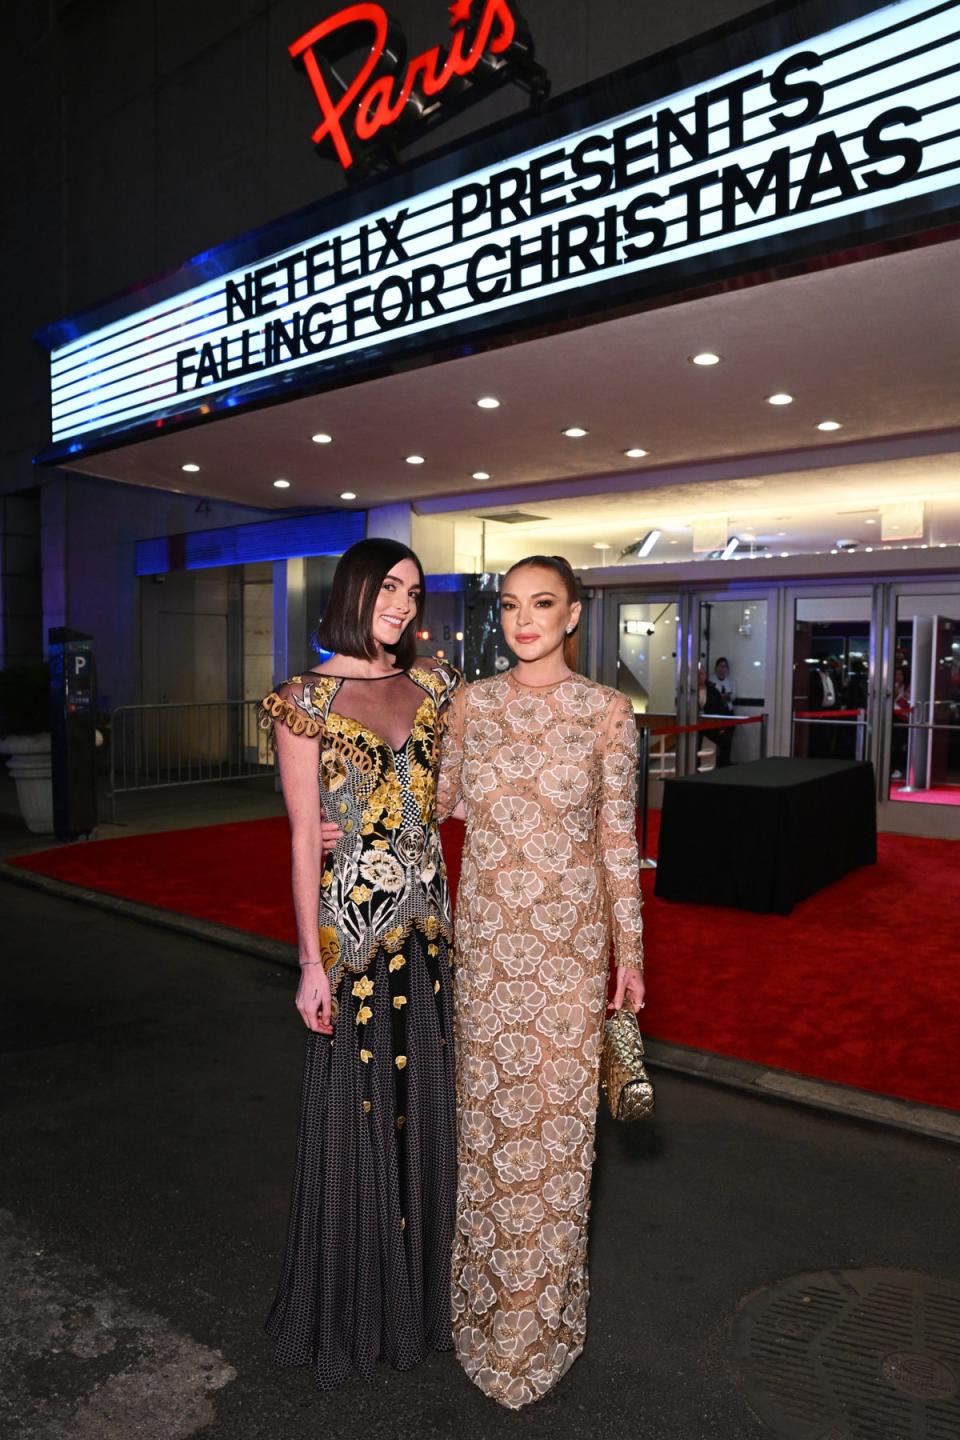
x: 576, y: 432
x: 414, y: 459
x: 480, y: 475
x: 321, y: 438
x: 706, y: 357
x: 488, y: 402
x: 190, y: 468
x: 281, y: 484
x: 633, y: 454
x: 869, y: 522
x: 348, y: 495
x: 829, y: 425
x: 602, y: 545
x: 781, y: 398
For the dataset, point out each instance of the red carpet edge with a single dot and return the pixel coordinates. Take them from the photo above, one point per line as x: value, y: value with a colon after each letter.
x: 762, y: 1081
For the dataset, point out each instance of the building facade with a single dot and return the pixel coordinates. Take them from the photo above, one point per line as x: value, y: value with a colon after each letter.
x: 714, y: 294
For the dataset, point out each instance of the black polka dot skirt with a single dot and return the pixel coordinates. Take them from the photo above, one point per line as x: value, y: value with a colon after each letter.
x: 366, y: 1275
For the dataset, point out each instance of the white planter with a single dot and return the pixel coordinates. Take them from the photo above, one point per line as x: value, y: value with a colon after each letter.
x: 29, y: 764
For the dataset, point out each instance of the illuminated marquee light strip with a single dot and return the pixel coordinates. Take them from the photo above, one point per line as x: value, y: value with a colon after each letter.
x: 131, y: 370
x: 215, y: 307
x: 125, y: 379
x: 214, y: 311
x: 71, y: 351
x: 907, y: 55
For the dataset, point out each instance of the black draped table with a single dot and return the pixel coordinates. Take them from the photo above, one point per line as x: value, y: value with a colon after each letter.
x: 763, y: 835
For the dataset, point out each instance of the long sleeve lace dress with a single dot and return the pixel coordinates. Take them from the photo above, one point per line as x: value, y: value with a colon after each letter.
x: 550, y: 874
x: 367, y: 1265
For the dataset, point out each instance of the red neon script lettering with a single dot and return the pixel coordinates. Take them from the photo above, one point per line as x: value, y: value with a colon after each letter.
x: 374, y: 101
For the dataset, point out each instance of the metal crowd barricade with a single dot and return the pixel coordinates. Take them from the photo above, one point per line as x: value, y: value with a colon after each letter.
x: 153, y: 747
x: 645, y: 734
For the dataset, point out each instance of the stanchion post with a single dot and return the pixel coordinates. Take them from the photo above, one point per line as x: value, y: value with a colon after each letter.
x: 112, y: 781
x: 763, y: 735
x: 643, y: 766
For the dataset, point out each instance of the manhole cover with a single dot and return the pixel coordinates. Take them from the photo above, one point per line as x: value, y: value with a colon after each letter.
x: 853, y: 1355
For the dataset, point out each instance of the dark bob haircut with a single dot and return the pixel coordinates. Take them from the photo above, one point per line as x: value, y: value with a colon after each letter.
x: 346, y: 626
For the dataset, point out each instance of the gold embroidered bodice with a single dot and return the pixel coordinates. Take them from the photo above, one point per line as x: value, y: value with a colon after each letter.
x: 387, y: 873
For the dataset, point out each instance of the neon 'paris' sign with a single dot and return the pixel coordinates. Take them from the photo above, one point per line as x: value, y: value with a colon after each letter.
x: 390, y: 96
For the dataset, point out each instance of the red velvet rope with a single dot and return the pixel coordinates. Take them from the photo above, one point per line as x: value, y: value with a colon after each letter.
x: 707, y: 725
x: 826, y: 714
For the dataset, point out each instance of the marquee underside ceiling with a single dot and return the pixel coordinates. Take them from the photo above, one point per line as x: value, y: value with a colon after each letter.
x: 874, y: 345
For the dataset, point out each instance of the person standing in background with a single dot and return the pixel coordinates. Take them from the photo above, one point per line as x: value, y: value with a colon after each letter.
x: 823, y: 696
x: 723, y: 695
x: 724, y: 682
x: 901, y: 722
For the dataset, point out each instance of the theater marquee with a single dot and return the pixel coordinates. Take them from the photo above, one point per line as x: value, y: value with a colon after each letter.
x: 728, y: 173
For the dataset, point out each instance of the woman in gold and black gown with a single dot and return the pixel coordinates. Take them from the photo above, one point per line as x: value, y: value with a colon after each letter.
x: 367, y: 1265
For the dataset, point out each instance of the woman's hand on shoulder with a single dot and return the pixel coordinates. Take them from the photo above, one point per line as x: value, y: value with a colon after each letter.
x: 630, y: 989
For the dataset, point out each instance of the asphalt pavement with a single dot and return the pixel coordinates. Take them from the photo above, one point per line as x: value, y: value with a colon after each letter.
x: 150, y: 1087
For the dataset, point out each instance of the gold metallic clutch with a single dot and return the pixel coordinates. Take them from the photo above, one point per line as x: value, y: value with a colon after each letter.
x: 623, y: 1075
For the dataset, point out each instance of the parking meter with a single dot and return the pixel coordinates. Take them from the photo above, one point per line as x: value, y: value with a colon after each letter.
x: 73, y: 733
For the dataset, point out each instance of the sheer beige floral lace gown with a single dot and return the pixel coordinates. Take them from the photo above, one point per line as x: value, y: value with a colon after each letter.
x: 550, y: 872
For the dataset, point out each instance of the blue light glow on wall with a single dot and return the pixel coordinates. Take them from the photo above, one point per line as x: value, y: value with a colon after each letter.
x: 328, y: 533
x: 448, y: 584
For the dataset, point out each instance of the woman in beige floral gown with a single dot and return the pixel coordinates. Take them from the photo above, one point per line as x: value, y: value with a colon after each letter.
x: 544, y: 761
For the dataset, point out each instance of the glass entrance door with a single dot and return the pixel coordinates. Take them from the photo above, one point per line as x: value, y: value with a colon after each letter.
x: 833, y: 649
x: 644, y: 658
x: 688, y: 657
x: 733, y: 658
x: 919, y: 755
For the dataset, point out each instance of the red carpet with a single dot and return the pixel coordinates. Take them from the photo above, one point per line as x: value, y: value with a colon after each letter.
x: 936, y: 795
x: 860, y: 984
